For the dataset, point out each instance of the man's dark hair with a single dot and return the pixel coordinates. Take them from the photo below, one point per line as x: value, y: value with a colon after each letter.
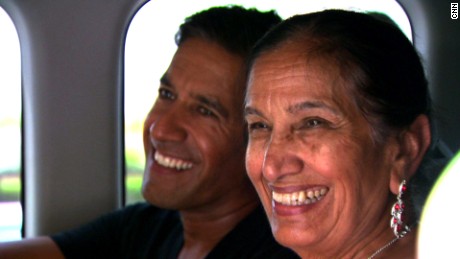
x: 232, y: 27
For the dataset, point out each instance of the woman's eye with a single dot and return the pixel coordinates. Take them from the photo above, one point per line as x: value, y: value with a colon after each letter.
x: 313, y: 123
x: 257, y: 126
x: 166, y: 94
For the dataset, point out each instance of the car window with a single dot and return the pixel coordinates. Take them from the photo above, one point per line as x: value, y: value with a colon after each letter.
x: 10, y: 130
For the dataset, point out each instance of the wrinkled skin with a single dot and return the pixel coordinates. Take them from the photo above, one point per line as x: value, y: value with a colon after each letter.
x: 307, y: 133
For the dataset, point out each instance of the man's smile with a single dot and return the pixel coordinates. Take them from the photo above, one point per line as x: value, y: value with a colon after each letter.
x: 171, y: 162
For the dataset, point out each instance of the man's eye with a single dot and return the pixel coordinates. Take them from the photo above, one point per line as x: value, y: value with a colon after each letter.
x: 166, y: 94
x: 206, y: 112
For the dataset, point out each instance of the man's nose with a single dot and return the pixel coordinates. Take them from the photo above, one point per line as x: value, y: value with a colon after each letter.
x: 169, y: 126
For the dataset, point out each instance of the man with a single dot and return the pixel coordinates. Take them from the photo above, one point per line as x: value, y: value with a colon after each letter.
x: 203, y: 203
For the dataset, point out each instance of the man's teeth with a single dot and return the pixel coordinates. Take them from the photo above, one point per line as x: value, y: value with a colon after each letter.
x: 299, y: 198
x: 170, y: 162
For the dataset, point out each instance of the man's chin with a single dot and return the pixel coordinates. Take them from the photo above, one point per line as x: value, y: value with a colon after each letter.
x: 163, y: 201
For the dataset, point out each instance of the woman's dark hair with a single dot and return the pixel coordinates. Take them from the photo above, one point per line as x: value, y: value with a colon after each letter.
x: 378, y: 63
x: 232, y: 27
x: 385, y: 71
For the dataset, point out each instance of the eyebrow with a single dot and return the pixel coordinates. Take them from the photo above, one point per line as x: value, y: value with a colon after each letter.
x: 252, y: 111
x: 165, y: 80
x: 294, y: 108
x: 311, y: 105
x: 205, y: 100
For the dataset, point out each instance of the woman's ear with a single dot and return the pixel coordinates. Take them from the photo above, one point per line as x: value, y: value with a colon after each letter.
x: 414, y: 143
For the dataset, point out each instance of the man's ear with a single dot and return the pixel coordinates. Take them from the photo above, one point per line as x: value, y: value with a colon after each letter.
x: 414, y: 143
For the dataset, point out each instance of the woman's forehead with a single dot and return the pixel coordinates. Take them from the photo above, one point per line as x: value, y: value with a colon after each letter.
x: 289, y: 66
x: 289, y: 74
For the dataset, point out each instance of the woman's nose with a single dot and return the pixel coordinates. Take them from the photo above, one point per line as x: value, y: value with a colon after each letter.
x: 280, y: 159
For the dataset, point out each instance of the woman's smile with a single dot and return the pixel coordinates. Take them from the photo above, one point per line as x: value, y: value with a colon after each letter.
x: 300, y: 198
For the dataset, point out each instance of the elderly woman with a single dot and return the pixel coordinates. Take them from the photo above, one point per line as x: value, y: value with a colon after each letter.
x: 337, y: 108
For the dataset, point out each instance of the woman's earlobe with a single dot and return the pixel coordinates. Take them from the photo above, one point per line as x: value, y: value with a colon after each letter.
x: 414, y: 143
x: 418, y: 140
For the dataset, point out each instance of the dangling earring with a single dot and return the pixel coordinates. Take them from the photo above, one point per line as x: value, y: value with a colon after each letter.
x: 398, y: 221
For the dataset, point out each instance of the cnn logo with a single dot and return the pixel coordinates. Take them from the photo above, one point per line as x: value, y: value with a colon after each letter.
x: 454, y: 11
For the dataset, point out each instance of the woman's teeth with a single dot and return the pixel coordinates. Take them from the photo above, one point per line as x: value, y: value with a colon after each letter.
x: 170, y: 162
x: 299, y: 198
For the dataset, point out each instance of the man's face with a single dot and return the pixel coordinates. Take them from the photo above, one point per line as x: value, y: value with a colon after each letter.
x: 193, y: 136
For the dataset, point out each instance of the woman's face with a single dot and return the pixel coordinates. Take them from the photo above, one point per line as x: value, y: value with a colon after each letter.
x: 323, y: 181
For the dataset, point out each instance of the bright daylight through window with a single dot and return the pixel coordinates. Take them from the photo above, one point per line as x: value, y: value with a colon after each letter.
x: 10, y: 130
x: 150, y: 46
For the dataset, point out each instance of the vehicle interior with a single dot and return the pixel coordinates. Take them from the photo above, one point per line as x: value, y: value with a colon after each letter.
x: 87, y: 73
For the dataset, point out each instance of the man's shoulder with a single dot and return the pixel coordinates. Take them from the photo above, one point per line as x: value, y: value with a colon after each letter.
x: 141, y: 208
x: 145, y: 212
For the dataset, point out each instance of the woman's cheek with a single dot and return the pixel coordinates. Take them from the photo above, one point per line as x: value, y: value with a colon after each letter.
x: 250, y: 161
x: 254, y: 162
